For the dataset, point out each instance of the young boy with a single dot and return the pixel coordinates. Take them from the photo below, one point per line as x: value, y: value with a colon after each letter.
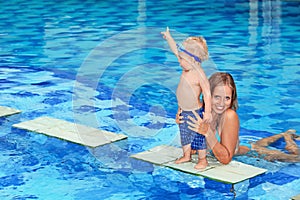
x: 193, y: 82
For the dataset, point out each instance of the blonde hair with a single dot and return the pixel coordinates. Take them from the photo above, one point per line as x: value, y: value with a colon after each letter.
x: 197, y: 46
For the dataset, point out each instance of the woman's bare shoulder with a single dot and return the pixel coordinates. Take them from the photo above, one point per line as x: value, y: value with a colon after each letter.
x: 230, y: 122
x: 231, y: 114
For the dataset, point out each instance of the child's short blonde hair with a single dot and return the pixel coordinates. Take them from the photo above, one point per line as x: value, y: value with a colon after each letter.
x: 197, y: 46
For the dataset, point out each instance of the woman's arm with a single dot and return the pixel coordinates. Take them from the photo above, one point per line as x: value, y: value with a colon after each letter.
x: 179, y: 118
x: 229, y: 131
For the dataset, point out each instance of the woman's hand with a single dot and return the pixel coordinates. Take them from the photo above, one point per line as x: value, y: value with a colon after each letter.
x: 178, y: 118
x: 197, y: 124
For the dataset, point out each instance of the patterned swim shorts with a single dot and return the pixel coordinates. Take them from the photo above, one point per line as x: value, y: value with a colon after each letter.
x: 188, y: 136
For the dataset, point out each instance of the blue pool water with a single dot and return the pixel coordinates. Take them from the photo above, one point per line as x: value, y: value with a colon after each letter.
x: 105, y: 65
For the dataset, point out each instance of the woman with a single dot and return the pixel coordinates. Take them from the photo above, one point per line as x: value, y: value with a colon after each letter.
x: 222, y: 134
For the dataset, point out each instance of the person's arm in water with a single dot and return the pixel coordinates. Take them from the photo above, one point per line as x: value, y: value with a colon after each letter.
x: 167, y: 35
x: 225, y: 149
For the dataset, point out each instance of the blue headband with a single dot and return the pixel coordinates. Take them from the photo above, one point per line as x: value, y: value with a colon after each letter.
x: 188, y: 53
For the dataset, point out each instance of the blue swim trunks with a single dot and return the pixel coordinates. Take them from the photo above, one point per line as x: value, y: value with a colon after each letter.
x: 188, y: 136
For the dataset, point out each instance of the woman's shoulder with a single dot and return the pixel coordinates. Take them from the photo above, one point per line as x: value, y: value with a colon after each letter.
x: 231, y: 114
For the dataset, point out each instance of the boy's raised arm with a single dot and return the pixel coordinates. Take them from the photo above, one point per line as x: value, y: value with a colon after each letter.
x: 167, y: 35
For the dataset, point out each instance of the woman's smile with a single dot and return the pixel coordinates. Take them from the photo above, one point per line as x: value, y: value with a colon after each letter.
x: 221, y: 99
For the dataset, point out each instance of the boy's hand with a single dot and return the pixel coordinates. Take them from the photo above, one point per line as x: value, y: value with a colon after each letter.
x: 166, y: 34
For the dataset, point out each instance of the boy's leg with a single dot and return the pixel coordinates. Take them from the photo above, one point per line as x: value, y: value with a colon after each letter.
x: 186, y: 137
x: 202, y: 161
x: 186, y: 154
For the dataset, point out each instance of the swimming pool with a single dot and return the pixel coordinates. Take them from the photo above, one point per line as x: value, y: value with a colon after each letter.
x: 105, y: 65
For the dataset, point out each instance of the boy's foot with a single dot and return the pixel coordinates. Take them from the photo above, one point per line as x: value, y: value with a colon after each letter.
x: 182, y: 160
x: 202, y: 164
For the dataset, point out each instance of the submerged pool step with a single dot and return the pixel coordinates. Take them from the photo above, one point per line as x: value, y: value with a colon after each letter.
x: 72, y: 132
x: 296, y: 197
x: 232, y: 173
x: 6, y: 111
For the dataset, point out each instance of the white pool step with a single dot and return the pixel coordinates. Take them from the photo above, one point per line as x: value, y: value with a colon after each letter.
x: 232, y: 173
x: 6, y: 111
x: 296, y: 197
x: 72, y: 132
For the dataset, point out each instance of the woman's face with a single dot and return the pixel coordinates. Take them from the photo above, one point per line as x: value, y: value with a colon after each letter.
x: 221, y: 99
